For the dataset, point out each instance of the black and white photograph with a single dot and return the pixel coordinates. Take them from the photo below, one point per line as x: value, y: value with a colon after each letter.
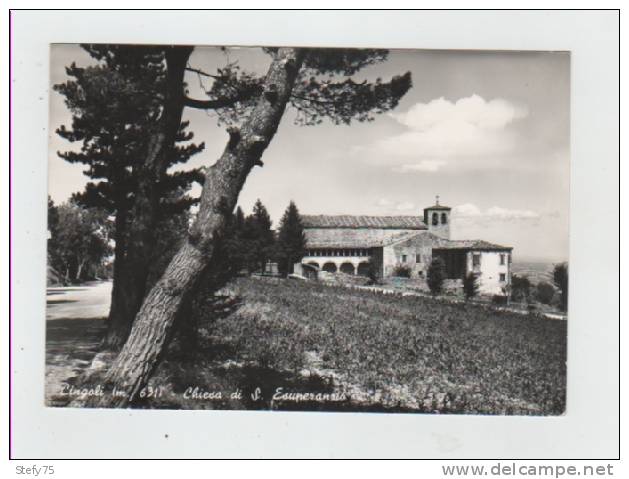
x: 308, y: 229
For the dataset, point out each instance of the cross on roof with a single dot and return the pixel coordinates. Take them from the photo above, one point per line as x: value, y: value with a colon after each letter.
x: 437, y: 198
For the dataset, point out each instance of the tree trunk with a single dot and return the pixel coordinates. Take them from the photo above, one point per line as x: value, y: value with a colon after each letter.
x: 79, y: 270
x: 118, y: 323
x: 130, y: 285
x: 153, y: 325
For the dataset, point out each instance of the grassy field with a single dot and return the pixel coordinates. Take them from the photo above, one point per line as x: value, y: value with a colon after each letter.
x: 368, y: 351
x: 385, y: 353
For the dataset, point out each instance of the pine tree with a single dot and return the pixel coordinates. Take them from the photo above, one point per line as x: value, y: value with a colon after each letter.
x: 259, y: 237
x: 291, y: 240
x: 303, y: 78
x: 236, y: 250
x: 114, y: 105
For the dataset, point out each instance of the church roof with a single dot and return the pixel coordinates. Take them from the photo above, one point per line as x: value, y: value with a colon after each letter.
x: 355, y: 237
x: 367, y: 222
x: 438, y: 207
x: 471, y: 245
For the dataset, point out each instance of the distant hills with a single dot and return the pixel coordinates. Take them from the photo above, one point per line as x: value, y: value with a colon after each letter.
x: 536, y: 271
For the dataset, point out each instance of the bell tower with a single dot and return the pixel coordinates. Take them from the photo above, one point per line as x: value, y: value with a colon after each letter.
x: 437, y: 218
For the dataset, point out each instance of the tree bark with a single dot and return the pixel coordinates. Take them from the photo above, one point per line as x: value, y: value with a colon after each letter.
x: 130, y: 284
x: 118, y: 325
x: 153, y: 325
x: 79, y: 270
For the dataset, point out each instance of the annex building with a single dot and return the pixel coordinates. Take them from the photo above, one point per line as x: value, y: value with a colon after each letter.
x: 354, y: 244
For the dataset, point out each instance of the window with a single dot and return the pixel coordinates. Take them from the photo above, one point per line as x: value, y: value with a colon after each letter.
x: 403, y: 258
x: 418, y: 258
x: 502, y: 259
x: 503, y: 277
x: 444, y: 219
x: 435, y: 219
x: 476, y: 259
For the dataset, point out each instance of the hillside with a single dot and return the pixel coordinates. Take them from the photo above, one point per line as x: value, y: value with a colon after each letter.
x: 382, y: 352
x: 337, y: 349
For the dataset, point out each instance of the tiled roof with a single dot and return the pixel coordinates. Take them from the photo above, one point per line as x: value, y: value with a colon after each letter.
x: 355, y: 237
x: 376, y: 222
x: 470, y: 244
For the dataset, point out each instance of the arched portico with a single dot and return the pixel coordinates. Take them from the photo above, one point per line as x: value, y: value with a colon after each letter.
x: 347, y: 268
x: 352, y: 261
x: 363, y: 269
x: 330, y: 267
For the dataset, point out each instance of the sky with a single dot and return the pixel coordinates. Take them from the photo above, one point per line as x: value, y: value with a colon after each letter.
x: 489, y: 132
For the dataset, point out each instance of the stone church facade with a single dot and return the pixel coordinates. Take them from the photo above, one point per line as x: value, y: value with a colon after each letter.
x: 385, y: 244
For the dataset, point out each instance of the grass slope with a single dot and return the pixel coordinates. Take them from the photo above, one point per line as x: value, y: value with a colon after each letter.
x: 375, y: 352
x: 386, y: 353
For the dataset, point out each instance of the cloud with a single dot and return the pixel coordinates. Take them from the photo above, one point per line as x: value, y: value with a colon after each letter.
x: 470, y: 132
x: 472, y: 111
x: 384, y: 202
x: 423, y: 165
x: 504, y: 213
x: 394, y: 206
x: 469, y: 211
x: 405, y: 206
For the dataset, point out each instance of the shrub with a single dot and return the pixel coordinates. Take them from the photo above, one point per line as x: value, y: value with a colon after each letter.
x: 560, y: 278
x: 372, y: 273
x: 499, y: 299
x: 520, y: 288
x: 402, y: 271
x: 545, y: 292
x: 470, y: 285
x: 435, y: 276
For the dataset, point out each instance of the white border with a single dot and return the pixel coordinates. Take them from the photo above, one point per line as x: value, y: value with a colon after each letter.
x: 590, y: 427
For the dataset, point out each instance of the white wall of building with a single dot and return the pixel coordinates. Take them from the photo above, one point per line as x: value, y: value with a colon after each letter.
x: 490, y: 270
x: 406, y: 254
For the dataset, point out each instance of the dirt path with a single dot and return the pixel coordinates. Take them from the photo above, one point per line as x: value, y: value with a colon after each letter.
x: 75, y: 323
x: 86, y: 301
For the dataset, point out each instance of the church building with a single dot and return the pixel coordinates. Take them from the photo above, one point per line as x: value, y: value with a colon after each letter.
x: 388, y: 244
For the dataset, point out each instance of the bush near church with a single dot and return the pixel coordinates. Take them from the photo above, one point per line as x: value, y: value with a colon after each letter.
x: 545, y: 292
x: 402, y: 271
x: 436, y: 275
x: 560, y: 278
x: 470, y: 286
x: 520, y: 288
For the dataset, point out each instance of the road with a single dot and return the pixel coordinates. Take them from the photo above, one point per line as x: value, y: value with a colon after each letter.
x: 90, y: 300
